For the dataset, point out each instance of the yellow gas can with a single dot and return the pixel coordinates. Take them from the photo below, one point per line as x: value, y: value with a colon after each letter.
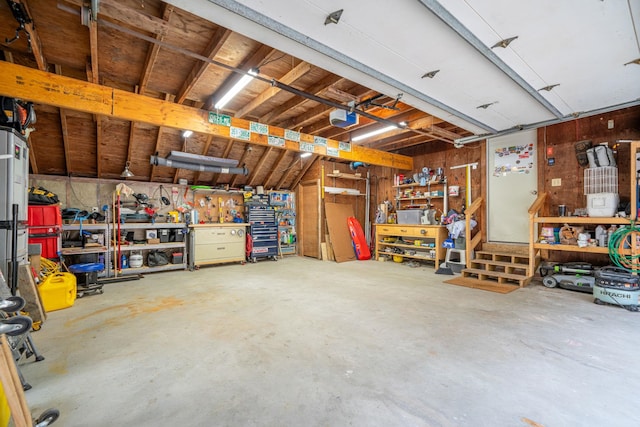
x: 58, y: 291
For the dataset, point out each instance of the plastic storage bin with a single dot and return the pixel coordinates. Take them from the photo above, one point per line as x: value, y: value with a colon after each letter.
x: 50, y: 246
x: 58, y: 291
x: 409, y: 216
x: 163, y: 234
x: 44, y: 215
x: 177, y: 258
x: 602, y: 204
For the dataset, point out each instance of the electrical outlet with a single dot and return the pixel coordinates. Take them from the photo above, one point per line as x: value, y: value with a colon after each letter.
x: 556, y: 182
x: 94, y: 209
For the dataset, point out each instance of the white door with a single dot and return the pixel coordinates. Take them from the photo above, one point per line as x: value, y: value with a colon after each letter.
x: 512, y: 186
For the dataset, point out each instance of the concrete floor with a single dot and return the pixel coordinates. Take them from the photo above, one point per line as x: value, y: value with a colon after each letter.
x: 301, y: 342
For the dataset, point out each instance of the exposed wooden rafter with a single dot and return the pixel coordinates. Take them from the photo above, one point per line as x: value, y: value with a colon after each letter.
x: 65, y: 140
x: 205, y: 151
x: 118, y: 11
x: 274, y: 168
x: 152, y: 52
x: 215, y: 44
x: 225, y: 155
x: 254, y: 60
x: 293, y: 75
x: 251, y: 180
x: 315, y: 89
x: 295, y: 160
x: 35, y: 44
x: 241, y: 161
x: 132, y: 130
x: 304, y: 170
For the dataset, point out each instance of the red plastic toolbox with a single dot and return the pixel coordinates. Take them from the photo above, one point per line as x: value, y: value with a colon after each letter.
x: 44, y: 215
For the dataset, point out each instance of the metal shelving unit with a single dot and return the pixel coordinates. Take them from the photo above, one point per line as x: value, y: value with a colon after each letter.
x: 99, y: 228
x: 284, y: 204
x: 182, y: 245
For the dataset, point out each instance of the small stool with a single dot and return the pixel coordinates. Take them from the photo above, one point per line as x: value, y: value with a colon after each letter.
x: 456, y: 259
x: 87, y: 277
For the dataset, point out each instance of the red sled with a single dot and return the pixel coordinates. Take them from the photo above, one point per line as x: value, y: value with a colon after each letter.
x: 359, y: 241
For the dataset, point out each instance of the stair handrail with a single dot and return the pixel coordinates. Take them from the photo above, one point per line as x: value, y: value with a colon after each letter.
x: 471, y: 243
x: 534, y: 211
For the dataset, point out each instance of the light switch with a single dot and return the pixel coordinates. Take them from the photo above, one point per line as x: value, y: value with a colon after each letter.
x: 556, y: 182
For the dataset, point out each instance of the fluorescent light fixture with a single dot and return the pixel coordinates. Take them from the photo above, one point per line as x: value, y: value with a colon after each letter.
x: 373, y: 133
x: 236, y: 88
x: 187, y: 133
x: 304, y: 155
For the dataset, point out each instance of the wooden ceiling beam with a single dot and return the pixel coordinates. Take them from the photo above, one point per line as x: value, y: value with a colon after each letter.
x: 296, y: 101
x: 153, y: 51
x: 275, y: 167
x: 258, y: 167
x: 297, y: 72
x: 195, y: 75
x: 65, y: 92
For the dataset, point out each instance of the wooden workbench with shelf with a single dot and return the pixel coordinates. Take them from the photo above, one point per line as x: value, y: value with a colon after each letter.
x: 431, y: 235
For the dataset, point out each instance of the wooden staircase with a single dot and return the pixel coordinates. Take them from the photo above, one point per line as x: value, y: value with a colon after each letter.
x: 503, y: 265
x: 496, y: 267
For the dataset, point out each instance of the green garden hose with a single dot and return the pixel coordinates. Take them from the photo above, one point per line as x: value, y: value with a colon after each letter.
x: 620, y: 244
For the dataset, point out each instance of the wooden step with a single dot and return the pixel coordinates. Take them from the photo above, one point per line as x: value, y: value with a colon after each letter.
x: 503, y: 256
x: 507, y: 267
x: 511, y: 248
x: 485, y: 285
x: 499, y: 276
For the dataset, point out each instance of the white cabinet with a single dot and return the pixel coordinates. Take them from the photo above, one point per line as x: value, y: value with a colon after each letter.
x: 217, y: 243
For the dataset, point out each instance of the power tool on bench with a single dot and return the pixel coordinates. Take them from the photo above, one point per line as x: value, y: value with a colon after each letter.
x: 577, y: 276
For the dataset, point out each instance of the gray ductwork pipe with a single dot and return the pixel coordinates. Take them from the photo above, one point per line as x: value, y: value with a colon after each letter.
x: 161, y: 161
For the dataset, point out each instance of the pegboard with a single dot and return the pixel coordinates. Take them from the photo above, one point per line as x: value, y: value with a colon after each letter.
x: 212, y: 205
